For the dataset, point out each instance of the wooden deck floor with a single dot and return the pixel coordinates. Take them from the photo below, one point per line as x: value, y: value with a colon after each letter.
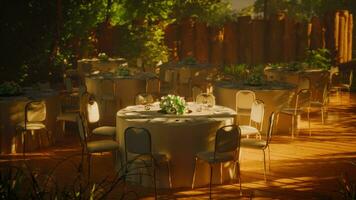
x: 306, y: 167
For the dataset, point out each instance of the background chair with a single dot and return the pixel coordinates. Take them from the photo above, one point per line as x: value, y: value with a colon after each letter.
x: 138, y: 144
x: 262, y: 144
x: 256, y: 120
x: 70, y: 115
x: 244, y: 100
x: 144, y: 99
x: 98, y: 146
x: 226, y: 149
x: 93, y: 116
x: 340, y: 86
x: 302, y: 105
x: 196, y: 91
x: 107, y: 95
x: 322, y: 104
x: 35, y: 115
x: 205, y: 98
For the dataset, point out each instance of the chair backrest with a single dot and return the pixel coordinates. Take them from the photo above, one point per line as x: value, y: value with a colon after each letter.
x: 227, y: 139
x: 83, y: 130
x: 303, y: 99
x: 184, y: 75
x: 351, y: 77
x: 137, y: 141
x: 206, y: 98
x: 270, y: 128
x: 257, y: 113
x: 244, y: 99
x: 144, y: 98
x: 92, y: 110
x: 35, y: 111
x: 303, y: 83
x: 196, y: 91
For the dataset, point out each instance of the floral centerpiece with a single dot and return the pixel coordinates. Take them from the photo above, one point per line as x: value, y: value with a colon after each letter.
x: 172, y: 104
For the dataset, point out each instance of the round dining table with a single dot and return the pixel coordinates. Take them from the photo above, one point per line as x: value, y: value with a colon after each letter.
x: 180, y: 137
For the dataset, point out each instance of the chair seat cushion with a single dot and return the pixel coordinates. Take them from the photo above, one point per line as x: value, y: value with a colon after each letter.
x: 316, y: 104
x: 71, y: 117
x: 248, y: 130
x: 105, y: 131
x: 102, y: 146
x: 208, y: 156
x: 32, y: 125
x: 253, y: 143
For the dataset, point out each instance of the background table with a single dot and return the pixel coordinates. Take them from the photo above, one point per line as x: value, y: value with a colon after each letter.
x: 180, y: 137
x: 123, y: 89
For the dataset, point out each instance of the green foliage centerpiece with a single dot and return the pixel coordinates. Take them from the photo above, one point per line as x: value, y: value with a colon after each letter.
x: 172, y: 104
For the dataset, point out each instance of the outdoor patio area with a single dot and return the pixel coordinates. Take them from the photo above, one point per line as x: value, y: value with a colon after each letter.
x: 306, y: 167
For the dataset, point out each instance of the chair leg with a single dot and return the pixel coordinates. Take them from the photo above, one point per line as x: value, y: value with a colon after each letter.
x: 322, y: 115
x: 48, y: 137
x: 211, y: 178
x: 89, y: 167
x: 221, y: 171
x: 264, y: 164
x: 237, y: 165
x: 64, y: 127
x: 169, y: 173
x: 195, y: 170
x: 293, y: 119
x: 269, y: 158
x: 23, y: 135
x: 154, y: 177
x: 309, y: 121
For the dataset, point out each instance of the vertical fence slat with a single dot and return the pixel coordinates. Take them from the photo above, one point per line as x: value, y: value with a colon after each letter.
x: 244, y: 30
x: 201, y: 44
x: 275, y: 33
x: 350, y: 31
x: 258, y: 41
x: 230, y: 43
x: 171, y: 40
x: 289, y: 40
x: 187, y: 38
x: 302, y: 38
x: 216, y: 45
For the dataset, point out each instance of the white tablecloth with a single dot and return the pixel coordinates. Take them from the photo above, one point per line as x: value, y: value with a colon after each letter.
x: 180, y: 137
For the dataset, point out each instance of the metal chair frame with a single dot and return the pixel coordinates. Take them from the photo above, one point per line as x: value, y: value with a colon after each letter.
x: 235, y: 149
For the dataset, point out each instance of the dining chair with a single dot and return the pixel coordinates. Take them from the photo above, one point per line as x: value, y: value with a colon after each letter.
x: 262, y: 144
x: 138, y: 146
x: 322, y: 104
x: 35, y: 115
x: 339, y: 87
x: 301, y: 105
x: 196, y: 91
x: 256, y: 120
x: 226, y: 149
x: 97, y: 146
x: 69, y: 111
x: 93, y: 116
x: 107, y: 94
x: 244, y: 100
x: 144, y: 99
x: 205, y: 98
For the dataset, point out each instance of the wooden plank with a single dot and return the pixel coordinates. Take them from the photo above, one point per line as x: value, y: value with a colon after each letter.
x: 201, y: 42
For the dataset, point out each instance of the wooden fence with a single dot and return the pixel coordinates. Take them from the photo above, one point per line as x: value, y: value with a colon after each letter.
x: 255, y: 41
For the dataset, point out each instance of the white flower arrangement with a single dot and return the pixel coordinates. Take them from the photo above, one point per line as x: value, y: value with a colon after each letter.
x: 172, y: 104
